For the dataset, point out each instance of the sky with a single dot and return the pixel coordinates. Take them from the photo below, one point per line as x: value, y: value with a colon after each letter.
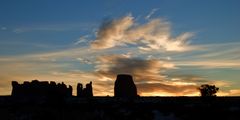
x: 170, y: 47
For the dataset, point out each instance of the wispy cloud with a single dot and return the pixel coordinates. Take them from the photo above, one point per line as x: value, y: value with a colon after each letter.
x: 151, y: 13
x: 55, y: 27
x: 232, y: 92
x: 212, y: 64
x: 3, y: 28
x: 159, y: 89
x: 81, y: 40
x: 211, y: 56
x: 153, y: 35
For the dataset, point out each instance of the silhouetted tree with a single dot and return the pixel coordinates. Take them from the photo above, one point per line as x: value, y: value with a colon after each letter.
x: 208, y: 90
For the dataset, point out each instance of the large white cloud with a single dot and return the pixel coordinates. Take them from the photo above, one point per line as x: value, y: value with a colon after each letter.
x: 153, y: 35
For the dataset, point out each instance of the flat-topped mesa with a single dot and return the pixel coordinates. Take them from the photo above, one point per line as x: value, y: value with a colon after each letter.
x: 125, y: 87
x: 84, y: 92
x: 40, y: 89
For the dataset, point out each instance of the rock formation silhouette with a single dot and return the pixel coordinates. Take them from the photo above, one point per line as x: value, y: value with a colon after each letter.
x: 80, y: 90
x: 125, y: 87
x: 40, y: 89
x: 84, y: 92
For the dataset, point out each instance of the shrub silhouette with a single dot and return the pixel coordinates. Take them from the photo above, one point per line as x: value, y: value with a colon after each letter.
x: 208, y: 90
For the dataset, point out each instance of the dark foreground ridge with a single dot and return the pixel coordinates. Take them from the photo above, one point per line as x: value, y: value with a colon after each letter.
x: 54, y: 101
x: 111, y: 108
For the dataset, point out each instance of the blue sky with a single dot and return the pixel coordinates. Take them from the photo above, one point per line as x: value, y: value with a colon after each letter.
x: 72, y: 41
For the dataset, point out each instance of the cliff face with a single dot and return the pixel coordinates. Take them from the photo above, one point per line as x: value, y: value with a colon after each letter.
x: 125, y: 87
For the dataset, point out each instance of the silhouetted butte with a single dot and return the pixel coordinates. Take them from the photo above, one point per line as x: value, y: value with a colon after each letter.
x: 125, y: 87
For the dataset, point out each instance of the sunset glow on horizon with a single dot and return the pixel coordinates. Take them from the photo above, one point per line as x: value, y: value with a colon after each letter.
x: 170, y: 48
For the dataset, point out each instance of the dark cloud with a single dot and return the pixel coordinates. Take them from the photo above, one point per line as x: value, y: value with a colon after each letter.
x: 148, y: 75
x: 142, y: 70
